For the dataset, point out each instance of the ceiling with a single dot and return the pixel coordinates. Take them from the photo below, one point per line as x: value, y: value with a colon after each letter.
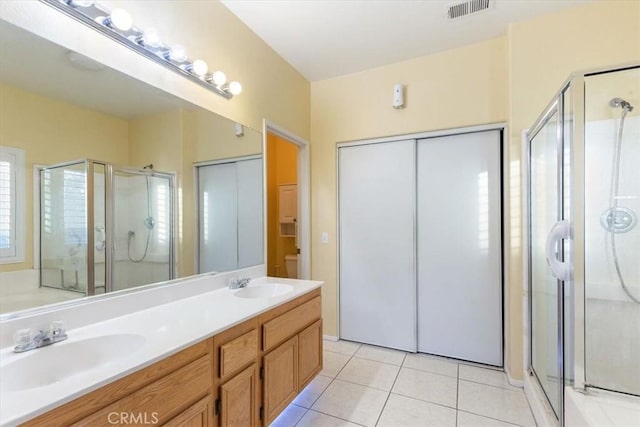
x: 328, y: 38
x: 40, y: 66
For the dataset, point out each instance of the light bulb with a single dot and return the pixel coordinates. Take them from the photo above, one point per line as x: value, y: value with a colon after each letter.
x: 235, y: 88
x: 151, y: 38
x: 80, y: 3
x: 178, y: 53
x: 219, y: 78
x: 200, y: 67
x: 120, y: 19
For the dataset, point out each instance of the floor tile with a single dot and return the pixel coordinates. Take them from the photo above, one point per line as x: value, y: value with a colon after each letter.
x: 466, y: 419
x: 343, y: 347
x: 289, y: 417
x: 485, y: 376
x: 432, y: 364
x: 495, y: 402
x: 407, y: 412
x: 316, y: 419
x: 310, y: 394
x: 427, y: 386
x: 332, y: 363
x: 352, y: 402
x: 369, y: 373
x: 381, y: 354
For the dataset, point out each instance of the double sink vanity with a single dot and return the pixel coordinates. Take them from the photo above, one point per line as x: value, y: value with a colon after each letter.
x: 194, y: 352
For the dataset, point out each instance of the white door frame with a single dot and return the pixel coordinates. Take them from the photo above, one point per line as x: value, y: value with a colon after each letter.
x: 304, y: 200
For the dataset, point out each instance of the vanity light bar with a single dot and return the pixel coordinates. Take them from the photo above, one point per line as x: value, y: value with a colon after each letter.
x: 118, y: 26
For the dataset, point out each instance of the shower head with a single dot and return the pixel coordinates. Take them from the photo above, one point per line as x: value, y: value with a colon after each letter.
x: 619, y: 102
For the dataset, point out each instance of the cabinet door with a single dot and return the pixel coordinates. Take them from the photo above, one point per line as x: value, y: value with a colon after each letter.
x: 238, y: 399
x: 309, y: 353
x: 199, y: 414
x: 280, y: 378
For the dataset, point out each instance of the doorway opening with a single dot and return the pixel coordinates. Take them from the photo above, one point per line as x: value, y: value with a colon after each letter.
x: 287, y: 224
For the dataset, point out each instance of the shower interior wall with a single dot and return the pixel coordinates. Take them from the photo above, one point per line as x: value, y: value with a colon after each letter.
x: 612, y: 319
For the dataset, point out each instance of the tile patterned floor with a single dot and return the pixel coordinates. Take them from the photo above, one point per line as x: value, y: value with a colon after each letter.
x: 364, y: 385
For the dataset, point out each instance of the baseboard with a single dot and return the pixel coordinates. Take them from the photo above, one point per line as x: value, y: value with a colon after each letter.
x: 513, y: 381
x: 330, y: 338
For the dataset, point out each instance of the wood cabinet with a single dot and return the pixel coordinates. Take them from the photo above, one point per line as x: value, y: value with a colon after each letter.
x: 238, y: 401
x: 197, y: 415
x: 242, y: 377
x: 280, y: 378
x: 309, y: 354
x: 290, y: 365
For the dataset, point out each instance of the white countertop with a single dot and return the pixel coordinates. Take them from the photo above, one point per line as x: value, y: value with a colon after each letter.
x: 166, y: 328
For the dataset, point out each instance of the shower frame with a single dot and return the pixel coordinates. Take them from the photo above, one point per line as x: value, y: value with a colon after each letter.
x: 575, y: 119
x: 109, y: 168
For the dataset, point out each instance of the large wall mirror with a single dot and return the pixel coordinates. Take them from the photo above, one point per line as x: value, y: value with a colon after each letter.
x: 125, y: 185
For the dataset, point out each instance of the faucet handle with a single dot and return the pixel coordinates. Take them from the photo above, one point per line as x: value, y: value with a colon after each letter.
x: 22, y: 337
x: 57, y: 328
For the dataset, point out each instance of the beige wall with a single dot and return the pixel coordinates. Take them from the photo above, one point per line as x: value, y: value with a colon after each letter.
x: 507, y: 79
x: 441, y: 93
x: 156, y: 139
x: 542, y: 53
x: 271, y: 87
x: 282, y: 158
x: 52, y: 131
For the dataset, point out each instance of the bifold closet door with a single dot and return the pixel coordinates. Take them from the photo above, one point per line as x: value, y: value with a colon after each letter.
x: 250, y: 225
x: 459, y: 247
x: 218, y: 217
x: 377, y: 245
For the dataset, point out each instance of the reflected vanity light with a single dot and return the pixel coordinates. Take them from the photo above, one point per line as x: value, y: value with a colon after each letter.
x: 117, y: 24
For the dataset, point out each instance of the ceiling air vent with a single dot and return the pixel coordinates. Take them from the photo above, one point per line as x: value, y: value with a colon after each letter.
x: 459, y: 10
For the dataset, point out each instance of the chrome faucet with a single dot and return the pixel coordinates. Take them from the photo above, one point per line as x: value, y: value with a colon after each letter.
x: 26, y: 339
x: 238, y: 282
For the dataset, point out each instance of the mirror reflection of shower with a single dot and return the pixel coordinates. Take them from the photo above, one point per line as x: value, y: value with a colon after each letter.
x: 149, y: 223
x: 618, y: 219
x: 90, y: 215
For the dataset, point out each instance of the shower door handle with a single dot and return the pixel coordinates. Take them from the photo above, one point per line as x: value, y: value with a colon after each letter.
x: 561, y: 230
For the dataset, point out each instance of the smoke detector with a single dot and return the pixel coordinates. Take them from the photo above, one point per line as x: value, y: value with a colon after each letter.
x: 458, y: 10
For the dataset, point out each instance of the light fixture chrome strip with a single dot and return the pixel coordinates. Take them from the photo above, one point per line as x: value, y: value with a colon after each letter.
x: 120, y: 29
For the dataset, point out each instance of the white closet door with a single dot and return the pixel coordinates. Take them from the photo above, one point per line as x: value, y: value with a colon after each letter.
x: 459, y: 247
x: 250, y: 223
x: 377, y: 279
x: 217, y: 185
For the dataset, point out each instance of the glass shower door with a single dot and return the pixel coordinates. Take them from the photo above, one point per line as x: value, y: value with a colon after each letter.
x: 142, y: 228
x: 545, y: 213
x: 63, y: 227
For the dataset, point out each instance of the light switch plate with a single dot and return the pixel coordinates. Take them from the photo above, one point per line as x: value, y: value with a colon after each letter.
x: 325, y: 237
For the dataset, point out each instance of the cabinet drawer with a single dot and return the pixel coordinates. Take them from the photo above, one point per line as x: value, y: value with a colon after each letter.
x: 161, y: 400
x: 238, y: 353
x: 282, y: 327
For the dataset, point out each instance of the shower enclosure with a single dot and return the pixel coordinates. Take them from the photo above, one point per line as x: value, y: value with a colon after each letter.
x: 583, y: 237
x: 105, y: 228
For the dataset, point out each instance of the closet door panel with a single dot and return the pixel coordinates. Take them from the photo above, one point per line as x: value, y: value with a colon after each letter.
x: 250, y: 225
x: 459, y: 247
x: 218, y: 240
x: 377, y: 245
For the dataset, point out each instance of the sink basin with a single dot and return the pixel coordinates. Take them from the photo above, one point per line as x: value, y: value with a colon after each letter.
x: 264, y: 290
x: 48, y: 365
